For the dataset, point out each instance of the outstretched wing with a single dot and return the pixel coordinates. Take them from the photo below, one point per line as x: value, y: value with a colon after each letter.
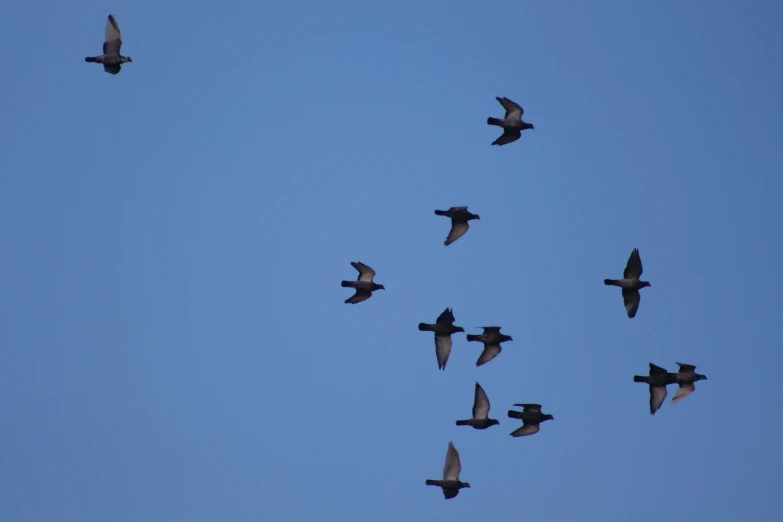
x: 657, y: 396
x: 683, y: 391
x: 442, y: 350
x: 480, y: 403
x: 113, y: 39
x: 365, y: 272
x: 513, y: 110
x: 490, y: 352
x: 458, y: 229
x: 507, y: 137
x: 631, y: 299
x: 633, y: 269
x: 453, y: 466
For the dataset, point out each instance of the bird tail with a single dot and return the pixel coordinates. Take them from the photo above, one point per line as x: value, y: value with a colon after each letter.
x: 348, y: 284
x: 424, y: 327
x: 639, y: 378
x: 495, y: 121
x: 514, y: 414
x: 463, y: 423
x: 611, y: 282
x: 472, y: 337
x: 91, y: 59
x: 441, y: 213
x: 433, y: 482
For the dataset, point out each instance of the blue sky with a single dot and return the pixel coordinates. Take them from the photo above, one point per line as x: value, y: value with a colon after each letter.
x: 175, y: 345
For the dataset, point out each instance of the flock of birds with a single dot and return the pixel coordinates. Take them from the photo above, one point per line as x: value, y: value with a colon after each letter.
x: 443, y: 328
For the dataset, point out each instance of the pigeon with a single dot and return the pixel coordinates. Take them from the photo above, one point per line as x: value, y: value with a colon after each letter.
x: 630, y: 283
x: 450, y: 483
x: 111, y: 58
x: 658, y: 380
x: 686, y: 378
x: 364, y: 285
x: 480, y: 420
x: 531, y: 417
x: 443, y: 328
x: 512, y: 122
x: 459, y: 222
x: 491, y: 339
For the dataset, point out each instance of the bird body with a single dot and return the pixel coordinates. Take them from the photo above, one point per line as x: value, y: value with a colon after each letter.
x: 491, y: 338
x: 443, y: 328
x: 459, y: 222
x: 531, y: 417
x: 480, y: 420
x: 111, y: 58
x: 630, y: 283
x: 364, y: 284
x: 450, y: 483
x: 511, y: 123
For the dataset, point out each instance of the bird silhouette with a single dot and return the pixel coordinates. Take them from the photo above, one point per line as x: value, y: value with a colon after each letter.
x: 630, y: 283
x: 111, y: 58
x: 451, y: 470
x: 363, y: 285
x: 511, y: 123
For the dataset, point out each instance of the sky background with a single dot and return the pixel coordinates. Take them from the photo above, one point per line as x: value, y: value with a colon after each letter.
x: 174, y: 342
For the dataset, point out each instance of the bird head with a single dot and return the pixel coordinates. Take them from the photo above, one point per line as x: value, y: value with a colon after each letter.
x: 475, y: 216
x: 459, y: 329
x: 380, y: 287
x: 465, y: 485
x: 642, y: 284
x: 700, y: 377
x: 548, y: 417
x: 127, y: 58
x: 492, y: 422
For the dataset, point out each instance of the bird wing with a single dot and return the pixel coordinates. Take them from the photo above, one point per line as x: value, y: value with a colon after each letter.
x: 490, y: 329
x: 111, y: 69
x: 113, y: 38
x: 457, y: 209
x: 686, y: 367
x: 657, y: 396
x: 458, y: 229
x: 365, y: 272
x: 450, y: 492
x: 655, y: 370
x: 507, y: 137
x: 452, y: 467
x: 359, y: 296
x: 633, y: 269
x: 631, y: 299
x: 490, y: 352
x: 442, y: 350
x: 683, y: 391
x: 525, y: 429
x: 480, y: 403
x: 513, y: 109
x: 446, y: 317
x: 531, y: 407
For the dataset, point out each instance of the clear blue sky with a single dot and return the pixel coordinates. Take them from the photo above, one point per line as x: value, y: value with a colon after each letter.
x: 175, y: 345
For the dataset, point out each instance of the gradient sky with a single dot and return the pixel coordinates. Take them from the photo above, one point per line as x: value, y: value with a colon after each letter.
x: 175, y: 346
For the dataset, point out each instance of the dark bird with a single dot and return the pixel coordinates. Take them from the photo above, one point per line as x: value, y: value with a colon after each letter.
x: 658, y: 380
x: 480, y: 420
x: 531, y: 417
x: 459, y: 222
x: 111, y: 58
x: 443, y: 328
x: 686, y: 378
x: 364, y: 285
x: 491, y: 339
x: 450, y: 483
x: 511, y: 123
x: 630, y: 283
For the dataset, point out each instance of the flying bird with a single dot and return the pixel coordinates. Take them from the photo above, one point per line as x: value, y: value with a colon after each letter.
x: 686, y: 378
x: 491, y: 339
x: 363, y: 285
x: 443, y: 328
x: 658, y: 380
x: 450, y: 483
x: 630, y: 283
x: 511, y: 123
x: 459, y: 222
x: 111, y: 58
x: 531, y: 417
x: 480, y: 420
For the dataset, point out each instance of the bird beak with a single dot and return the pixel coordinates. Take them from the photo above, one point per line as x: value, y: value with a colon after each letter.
x: 478, y: 217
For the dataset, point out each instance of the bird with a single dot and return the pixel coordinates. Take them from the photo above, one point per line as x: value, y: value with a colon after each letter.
x: 630, y: 283
x: 511, y: 123
x: 491, y: 339
x: 459, y: 222
x: 531, y: 417
x: 450, y: 483
x: 364, y: 284
x: 686, y: 378
x: 111, y: 58
x: 443, y: 328
x: 658, y: 380
x: 480, y: 420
